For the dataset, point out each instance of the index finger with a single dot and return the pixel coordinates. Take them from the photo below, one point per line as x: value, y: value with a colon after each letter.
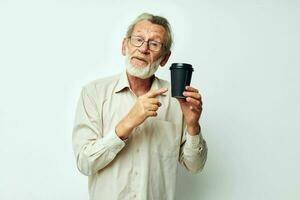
x: 155, y: 93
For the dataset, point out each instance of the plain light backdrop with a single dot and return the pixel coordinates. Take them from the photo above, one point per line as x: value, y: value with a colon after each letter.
x: 246, y: 60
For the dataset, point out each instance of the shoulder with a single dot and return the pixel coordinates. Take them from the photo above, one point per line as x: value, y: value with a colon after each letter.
x: 101, y: 84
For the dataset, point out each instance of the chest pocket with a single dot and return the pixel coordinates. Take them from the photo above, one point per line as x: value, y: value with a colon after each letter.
x: 165, y: 138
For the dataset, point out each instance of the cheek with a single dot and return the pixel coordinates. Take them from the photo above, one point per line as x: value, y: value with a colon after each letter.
x: 127, y: 50
x: 154, y: 58
x: 130, y: 50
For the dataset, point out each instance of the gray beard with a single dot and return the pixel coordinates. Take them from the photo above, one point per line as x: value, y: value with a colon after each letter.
x: 141, y: 72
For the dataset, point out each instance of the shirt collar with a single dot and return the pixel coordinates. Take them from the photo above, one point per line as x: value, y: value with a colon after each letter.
x: 123, y: 83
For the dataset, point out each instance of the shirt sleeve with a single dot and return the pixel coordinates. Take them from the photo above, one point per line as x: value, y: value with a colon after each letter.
x: 193, y: 151
x: 92, y: 150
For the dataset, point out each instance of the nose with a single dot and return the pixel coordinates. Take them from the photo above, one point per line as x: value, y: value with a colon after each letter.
x: 144, y: 48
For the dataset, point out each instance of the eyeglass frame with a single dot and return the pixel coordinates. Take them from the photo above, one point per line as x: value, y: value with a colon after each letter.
x: 162, y: 44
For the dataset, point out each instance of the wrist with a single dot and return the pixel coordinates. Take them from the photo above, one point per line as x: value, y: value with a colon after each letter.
x: 123, y: 130
x: 194, y: 129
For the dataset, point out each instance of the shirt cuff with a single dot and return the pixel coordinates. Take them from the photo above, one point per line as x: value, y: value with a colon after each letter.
x: 113, y: 142
x: 194, y: 141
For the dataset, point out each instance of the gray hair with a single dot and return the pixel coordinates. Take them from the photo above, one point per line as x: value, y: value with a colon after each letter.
x: 155, y: 19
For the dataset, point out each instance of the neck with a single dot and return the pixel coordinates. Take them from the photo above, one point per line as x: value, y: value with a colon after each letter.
x: 139, y: 86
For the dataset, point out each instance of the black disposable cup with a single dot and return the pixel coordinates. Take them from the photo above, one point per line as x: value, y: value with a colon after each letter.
x: 181, y: 74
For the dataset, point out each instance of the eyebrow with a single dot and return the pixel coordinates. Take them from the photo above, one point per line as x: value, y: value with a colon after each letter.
x: 154, y: 38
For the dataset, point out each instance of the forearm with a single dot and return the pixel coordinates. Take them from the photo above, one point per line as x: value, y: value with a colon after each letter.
x: 124, y: 128
x: 96, y: 154
x: 193, y: 153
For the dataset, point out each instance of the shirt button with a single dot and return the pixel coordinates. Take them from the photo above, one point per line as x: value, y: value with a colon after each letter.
x: 138, y: 150
x: 136, y: 173
x: 134, y: 196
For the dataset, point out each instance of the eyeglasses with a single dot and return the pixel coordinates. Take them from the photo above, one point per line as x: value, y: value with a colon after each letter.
x: 139, y: 41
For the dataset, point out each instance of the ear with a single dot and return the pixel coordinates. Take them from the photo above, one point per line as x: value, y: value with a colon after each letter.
x: 165, y: 59
x: 124, y: 43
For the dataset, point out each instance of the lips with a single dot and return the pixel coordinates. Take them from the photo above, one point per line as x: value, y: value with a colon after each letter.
x: 139, y: 58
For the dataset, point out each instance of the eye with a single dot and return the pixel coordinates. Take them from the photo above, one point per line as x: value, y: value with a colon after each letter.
x: 154, y: 44
x: 139, y: 39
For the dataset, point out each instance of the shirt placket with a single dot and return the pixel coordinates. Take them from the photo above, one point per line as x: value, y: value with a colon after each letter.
x: 135, y: 176
x: 136, y: 166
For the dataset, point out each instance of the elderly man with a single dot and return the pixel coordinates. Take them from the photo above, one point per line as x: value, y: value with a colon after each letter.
x: 129, y: 132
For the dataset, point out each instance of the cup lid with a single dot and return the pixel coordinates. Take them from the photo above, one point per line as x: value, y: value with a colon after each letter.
x: 181, y: 66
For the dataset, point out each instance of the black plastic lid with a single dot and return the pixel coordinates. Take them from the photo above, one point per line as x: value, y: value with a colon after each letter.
x: 181, y: 66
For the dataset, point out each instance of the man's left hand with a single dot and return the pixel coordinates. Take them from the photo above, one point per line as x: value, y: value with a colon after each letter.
x: 191, y: 108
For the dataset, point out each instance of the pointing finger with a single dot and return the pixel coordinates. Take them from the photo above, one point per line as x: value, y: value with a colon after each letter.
x: 155, y: 93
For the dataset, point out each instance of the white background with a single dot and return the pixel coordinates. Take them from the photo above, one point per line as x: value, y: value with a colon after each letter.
x: 246, y: 59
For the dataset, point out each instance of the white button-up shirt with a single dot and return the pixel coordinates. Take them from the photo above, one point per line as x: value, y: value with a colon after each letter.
x: 143, y: 166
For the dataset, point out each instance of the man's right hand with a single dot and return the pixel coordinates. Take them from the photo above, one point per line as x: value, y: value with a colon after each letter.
x: 145, y: 106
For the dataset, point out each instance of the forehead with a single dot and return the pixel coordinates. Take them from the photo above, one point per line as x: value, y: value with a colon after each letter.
x: 146, y: 27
